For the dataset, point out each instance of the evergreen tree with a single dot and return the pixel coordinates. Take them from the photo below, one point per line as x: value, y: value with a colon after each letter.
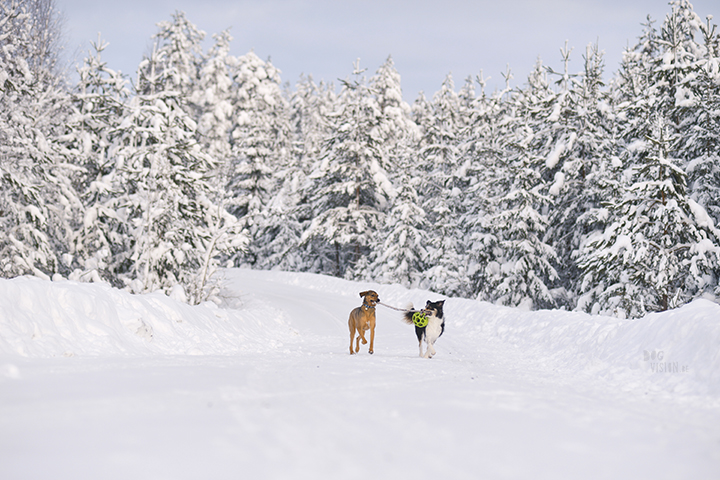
x: 421, y: 110
x: 659, y: 77
x: 213, y: 104
x: 676, y: 67
x: 398, y: 251
x: 489, y: 121
x: 654, y: 254
x: 103, y: 240
x: 701, y: 139
x: 260, y: 146
x: 468, y: 108
x: 349, y: 192
x: 444, y: 182
x: 401, y: 255
x: 522, y: 272
x: 396, y: 126
x: 635, y: 94
x: 309, y: 106
x: 178, y: 43
x: 178, y: 231
x: 580, y: 166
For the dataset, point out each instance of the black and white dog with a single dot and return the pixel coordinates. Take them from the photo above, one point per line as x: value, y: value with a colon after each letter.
x: 434, y: 328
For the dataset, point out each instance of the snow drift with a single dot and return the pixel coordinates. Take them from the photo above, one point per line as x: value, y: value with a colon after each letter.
x: 674, y: 352
x: 40, y: 318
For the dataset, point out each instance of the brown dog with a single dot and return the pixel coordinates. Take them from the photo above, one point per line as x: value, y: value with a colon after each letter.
x: 363, y: 318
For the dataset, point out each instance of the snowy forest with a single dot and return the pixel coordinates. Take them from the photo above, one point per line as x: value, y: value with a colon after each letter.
x: 563, y: 191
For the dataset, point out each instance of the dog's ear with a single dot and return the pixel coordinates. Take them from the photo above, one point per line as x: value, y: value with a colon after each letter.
x: 441, y: 302
x: 427, y: 303
x: 362, y: 294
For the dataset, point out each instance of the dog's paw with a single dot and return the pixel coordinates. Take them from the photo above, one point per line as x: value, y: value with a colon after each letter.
x: 370, y: 352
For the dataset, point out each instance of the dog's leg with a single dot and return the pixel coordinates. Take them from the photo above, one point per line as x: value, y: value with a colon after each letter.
x: 420, y: 346
x: 361, y: 330
x: 430, y: 349
x: 430, y: 340
x: 352, y: 337
x: 372, y: 338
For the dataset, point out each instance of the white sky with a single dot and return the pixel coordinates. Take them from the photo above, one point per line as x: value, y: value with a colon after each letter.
x: 427, y: 38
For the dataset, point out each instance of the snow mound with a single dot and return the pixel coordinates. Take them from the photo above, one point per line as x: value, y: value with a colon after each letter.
x: 673, y: 352
x: 40, y: 318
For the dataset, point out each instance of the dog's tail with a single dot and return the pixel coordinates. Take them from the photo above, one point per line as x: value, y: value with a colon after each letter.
x: 408, y: 314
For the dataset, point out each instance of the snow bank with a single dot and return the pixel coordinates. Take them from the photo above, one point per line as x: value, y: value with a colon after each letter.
x: 40, y: 318
x: 675, y: 352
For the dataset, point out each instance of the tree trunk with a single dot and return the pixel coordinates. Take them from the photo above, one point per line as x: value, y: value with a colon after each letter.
x: 337, y: 259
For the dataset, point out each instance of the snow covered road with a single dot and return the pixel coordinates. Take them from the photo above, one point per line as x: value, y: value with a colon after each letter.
x: 290, y: 402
